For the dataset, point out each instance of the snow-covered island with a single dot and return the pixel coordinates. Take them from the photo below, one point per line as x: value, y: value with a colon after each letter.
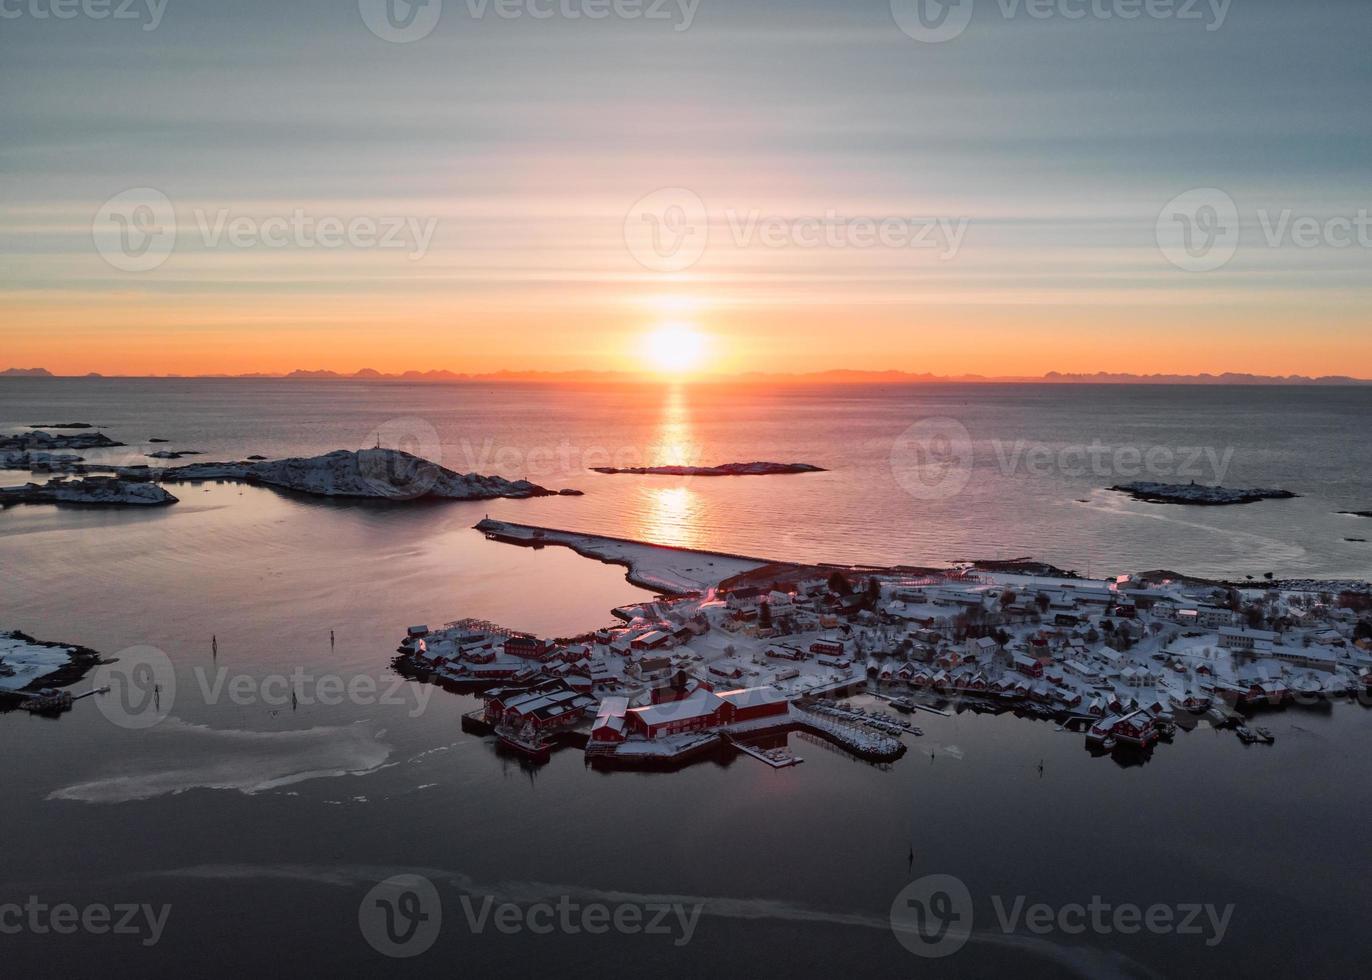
x: 378, y: 474
x: 1198, y: 494
x: 27, y: 666
x: 757, y: 649
x: 102, y: 491
x: 38, y: 462
x: 724, y: 469
x: 47, y: 442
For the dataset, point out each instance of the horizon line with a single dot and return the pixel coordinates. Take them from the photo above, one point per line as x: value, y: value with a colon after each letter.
x: 833, y: 375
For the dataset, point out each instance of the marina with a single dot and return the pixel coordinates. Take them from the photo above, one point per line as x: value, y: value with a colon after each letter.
x: 763, y: 644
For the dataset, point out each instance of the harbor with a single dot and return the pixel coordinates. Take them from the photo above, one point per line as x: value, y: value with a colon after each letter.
x: 1126, y: 662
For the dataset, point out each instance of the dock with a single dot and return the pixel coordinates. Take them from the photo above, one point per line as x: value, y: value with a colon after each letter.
x: 778, y: 758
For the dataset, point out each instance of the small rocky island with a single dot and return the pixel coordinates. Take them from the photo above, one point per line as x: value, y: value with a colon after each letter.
x: 28, y: 665
x: 1197, y: 494
x: 38, y: 462
x: 726, y: 469
x: 377, y: 474
x: 100, y: 491
x: 46, y: 441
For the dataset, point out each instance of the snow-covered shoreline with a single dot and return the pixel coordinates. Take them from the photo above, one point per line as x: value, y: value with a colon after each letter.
x: 96, y: 491
x: 662, y: 568
x: 27, y: 664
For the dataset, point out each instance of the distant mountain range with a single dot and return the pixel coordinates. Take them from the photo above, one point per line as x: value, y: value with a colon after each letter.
x: 837, y: 376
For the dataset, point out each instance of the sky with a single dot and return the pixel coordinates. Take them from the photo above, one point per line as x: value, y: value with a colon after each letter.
x: 209, y: 187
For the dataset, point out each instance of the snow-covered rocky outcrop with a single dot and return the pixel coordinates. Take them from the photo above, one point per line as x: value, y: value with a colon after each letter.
x: 22, y: 459
x: 100, y: 490
x: 385, y: 474
x: 47, y: 441
x: 1194, y: 493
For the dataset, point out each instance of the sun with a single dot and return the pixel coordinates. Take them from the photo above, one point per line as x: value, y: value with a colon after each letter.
x: 673, y: 348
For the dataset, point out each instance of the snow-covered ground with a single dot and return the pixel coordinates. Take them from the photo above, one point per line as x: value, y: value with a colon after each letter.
x: 106, y: 491
x: 23, y: 662
x: 1051, y: 645
x: 674, y: 571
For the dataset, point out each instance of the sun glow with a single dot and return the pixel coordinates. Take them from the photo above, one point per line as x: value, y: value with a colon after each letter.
x: 673, y: 348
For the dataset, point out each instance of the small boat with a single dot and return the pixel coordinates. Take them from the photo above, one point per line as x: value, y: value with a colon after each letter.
x: 1264, y: 735
x: 1246, y: 735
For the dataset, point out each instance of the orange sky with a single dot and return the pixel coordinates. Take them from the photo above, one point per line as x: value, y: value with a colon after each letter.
x: 521, y: 155
x: 132, y: 332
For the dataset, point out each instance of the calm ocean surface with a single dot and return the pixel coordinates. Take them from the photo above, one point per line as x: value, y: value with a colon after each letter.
x: 264, y: 827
